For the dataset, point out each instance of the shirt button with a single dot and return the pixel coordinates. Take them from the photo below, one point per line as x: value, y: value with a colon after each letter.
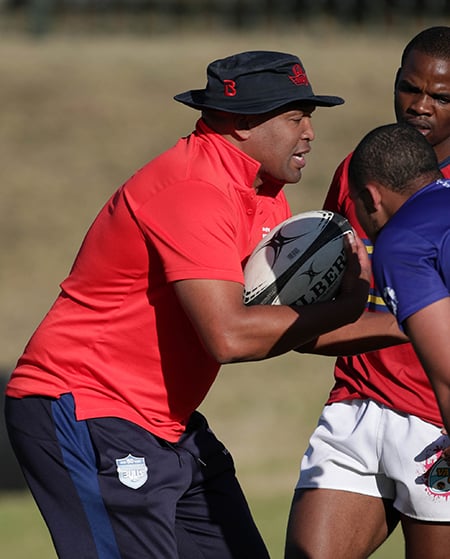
x: 250, y: 211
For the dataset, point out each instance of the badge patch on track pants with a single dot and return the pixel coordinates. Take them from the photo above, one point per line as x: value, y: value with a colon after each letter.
x: 132, y: 471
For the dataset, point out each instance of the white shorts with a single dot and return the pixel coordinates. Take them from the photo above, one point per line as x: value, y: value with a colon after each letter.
x: 364, y: 447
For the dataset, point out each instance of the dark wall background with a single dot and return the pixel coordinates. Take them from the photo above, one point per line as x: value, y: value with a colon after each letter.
x: 152, y: 16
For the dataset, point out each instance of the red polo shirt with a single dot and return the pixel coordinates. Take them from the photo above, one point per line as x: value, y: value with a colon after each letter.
x: 116, y: 337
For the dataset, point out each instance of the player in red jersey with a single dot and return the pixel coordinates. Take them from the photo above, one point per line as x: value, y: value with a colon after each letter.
x: 101, y: 408
x: 359, y: 476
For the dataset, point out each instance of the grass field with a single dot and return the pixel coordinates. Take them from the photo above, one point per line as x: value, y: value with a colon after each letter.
x: 79, y: 116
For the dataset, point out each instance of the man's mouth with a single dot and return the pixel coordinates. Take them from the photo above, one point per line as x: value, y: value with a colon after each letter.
x: 299, y: 158
x: 422, y: 126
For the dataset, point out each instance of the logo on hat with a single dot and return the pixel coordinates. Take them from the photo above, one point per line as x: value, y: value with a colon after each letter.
x: 299, y: 77
x: 229, y: 88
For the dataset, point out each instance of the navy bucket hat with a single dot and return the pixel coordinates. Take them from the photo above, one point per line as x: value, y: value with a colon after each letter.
x: 255, y: 82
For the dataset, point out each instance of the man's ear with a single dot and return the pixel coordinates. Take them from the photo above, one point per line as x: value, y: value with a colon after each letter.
x: 242, y: 126
x: 371, y: 197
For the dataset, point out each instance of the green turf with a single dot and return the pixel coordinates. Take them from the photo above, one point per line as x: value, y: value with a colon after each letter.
x: 23, y: 534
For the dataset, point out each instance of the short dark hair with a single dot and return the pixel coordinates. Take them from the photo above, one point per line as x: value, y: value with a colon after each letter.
x: 433, y: 41
x: 395, y: 156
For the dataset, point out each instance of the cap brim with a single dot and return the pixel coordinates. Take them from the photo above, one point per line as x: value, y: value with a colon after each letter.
x: 195, y: 99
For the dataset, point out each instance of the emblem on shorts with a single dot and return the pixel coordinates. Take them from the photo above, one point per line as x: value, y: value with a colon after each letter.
x: 439, y: 477
x: 132, y: 471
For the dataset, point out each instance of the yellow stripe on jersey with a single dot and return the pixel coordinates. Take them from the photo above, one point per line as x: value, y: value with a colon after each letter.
x: 375, y: 300
x: 368, y: 245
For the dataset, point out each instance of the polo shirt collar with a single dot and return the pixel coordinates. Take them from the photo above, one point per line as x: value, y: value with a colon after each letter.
x: 241, y: 167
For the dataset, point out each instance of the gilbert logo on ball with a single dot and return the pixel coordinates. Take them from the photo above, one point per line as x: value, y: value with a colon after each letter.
x: 301, y: 261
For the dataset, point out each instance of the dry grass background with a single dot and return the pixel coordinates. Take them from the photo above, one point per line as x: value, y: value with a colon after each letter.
x: 80, y: 114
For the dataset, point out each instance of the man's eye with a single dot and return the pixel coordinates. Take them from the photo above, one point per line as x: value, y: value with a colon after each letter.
x: 407, y: 88
x: 443, y: 100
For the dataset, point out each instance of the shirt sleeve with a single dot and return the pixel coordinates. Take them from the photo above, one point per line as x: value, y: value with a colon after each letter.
x: 405, y: 266
x: 195, y: 229
x: 338, y: 197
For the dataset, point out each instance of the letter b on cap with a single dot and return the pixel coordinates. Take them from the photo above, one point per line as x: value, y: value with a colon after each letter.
x: 229, y: 88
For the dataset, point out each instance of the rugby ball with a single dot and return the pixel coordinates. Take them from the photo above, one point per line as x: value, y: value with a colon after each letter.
x: 301, y: 261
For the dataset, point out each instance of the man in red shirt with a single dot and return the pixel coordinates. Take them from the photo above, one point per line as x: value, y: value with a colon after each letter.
x: 379, y: 435
x: 101, y: 408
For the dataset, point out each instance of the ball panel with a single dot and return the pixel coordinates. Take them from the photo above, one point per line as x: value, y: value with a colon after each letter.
x: 300, y: 261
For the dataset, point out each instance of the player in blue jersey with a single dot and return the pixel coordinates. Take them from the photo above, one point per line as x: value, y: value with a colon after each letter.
x: 403, y: 203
